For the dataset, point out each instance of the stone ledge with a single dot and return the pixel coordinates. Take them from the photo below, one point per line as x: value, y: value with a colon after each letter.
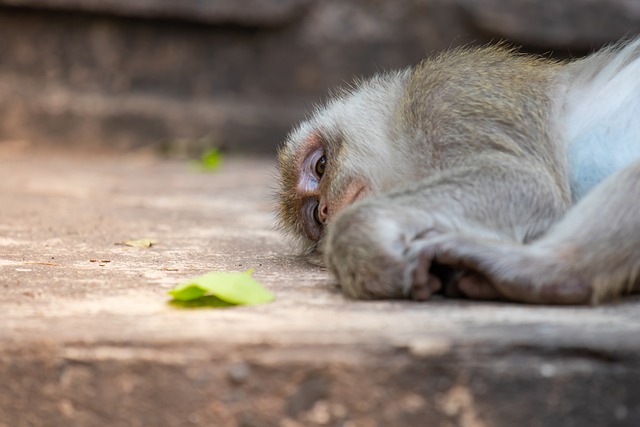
x: 89, y: 345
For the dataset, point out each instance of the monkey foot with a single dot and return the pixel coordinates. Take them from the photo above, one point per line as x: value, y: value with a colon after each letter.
x: 439, y: 269
x: 475, y: 286
x: 505, y: 270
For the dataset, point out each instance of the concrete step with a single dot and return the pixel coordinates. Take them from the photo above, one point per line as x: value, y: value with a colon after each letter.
x: 87, y: 343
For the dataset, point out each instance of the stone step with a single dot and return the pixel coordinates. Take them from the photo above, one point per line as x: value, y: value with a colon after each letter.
x: 87, y: 343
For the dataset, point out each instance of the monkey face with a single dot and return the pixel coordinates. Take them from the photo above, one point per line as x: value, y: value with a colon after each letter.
x: 315, y: 185
x: 342, y: 154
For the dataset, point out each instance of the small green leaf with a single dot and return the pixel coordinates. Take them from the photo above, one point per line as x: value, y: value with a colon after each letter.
x: 208, y: 301
x: 209, y: 161
x: 187, y: 292
x: 234, y: 288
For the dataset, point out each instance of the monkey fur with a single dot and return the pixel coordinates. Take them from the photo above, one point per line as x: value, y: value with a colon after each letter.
x: 480, y: 172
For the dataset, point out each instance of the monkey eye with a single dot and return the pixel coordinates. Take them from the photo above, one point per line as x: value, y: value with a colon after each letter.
x: 316, y: 214
x: 312, y: 226
x: 321, y: 164
x: 311, y: 170
x: 315, y: 164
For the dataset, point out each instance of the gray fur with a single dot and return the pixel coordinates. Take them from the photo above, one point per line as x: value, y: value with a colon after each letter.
x: 474, y: 159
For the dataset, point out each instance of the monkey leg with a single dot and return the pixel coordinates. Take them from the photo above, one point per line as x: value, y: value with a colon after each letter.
x: 591, y: 255
x: 498, y: 269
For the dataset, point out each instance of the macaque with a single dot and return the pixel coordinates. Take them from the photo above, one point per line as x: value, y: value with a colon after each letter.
x: 480, y: 173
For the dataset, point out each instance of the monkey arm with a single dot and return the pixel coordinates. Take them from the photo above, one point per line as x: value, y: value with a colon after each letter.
x: 376, y: 247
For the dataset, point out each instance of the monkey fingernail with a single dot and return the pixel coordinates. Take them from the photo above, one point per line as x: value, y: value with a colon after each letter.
x: 422, y: 291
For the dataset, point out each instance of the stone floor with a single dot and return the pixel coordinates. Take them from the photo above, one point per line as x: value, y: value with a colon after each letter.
x: 87, y: 337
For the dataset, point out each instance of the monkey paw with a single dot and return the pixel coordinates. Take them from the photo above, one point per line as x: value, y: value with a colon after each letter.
x: 431, y: 275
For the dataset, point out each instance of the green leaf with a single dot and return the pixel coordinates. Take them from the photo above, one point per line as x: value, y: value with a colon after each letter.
x: 234, y: 288
x: 209, y: 161
x: 207, y: 301
x: 187, y: 292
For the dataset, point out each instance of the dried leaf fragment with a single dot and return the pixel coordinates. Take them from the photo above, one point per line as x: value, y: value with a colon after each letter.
x: 139, y: 243
x: 41, y: 263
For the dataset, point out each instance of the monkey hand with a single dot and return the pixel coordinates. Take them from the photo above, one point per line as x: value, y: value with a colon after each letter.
x: 366, y: 250
x: 365, y: 255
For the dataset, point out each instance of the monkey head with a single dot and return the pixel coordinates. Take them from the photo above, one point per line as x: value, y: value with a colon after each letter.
x: 344, y: 152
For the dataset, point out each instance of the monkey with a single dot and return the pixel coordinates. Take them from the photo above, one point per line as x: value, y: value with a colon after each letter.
x: 480, y: 172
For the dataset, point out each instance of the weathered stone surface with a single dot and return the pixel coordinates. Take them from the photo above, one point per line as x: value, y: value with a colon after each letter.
x: 574, y: 24
x: 181, y: 75
x: 85, y: 344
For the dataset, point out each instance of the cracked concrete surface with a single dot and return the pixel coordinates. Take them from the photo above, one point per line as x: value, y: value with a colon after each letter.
x: 87, y: 337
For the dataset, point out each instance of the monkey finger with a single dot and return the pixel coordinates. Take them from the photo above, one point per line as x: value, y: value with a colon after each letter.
x: 422, y: 291
x: 424, y: 284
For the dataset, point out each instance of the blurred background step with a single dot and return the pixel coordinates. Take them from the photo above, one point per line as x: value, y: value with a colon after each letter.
x: 178, y: 76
